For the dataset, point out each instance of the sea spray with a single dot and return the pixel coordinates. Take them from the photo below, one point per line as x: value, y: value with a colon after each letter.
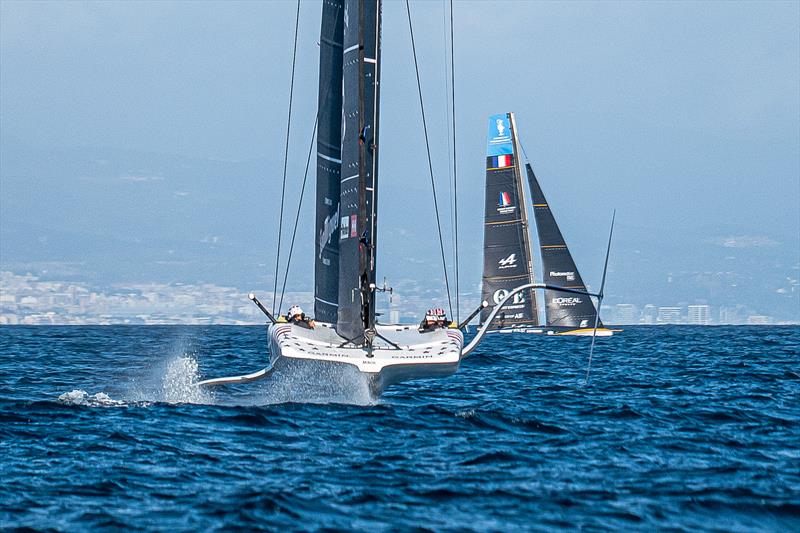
x: 179, y: 384
x: 315, y: 382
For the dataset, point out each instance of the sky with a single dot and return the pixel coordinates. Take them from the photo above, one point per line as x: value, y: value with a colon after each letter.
x: 684, y: 116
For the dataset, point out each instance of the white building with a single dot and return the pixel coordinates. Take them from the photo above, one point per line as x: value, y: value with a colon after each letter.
x: 669, y: 315
x: 699, y: 315
x: 649, y: 314
x: 626, y: 314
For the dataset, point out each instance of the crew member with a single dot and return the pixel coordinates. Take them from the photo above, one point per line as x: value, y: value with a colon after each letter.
x: 298, y: 317
x: 434, y: 318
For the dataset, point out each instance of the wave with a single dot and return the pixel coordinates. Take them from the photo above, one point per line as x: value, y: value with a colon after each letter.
x: 83, y: 398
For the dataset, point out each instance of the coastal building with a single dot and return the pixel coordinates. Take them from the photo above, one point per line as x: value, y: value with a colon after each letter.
x: 669, y: 315
x: 626, y: 314
x: 649, y: 314
x: 699, y: 315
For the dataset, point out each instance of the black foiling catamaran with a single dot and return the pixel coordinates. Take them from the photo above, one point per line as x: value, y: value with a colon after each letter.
x: 507, y: 250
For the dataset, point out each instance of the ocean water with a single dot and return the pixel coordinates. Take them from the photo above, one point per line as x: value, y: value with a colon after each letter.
x: 680, y: 428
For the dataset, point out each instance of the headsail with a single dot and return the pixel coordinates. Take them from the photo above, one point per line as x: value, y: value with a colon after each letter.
x: 329, y: 162
x: 561, y: 309
x: 506, y: 247
x: 359, y: 168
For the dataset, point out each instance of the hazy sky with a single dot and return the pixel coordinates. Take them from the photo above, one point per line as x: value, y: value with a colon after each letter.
x: 683, y: 115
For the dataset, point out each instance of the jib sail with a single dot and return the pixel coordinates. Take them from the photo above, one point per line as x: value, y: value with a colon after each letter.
x: 561, y: 309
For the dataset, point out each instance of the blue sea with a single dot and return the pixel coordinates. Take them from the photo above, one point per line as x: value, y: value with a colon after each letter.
x: 679, y: 428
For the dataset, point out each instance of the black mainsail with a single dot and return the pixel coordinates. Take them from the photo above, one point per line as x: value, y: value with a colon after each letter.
x: 562, y: 310
x: 506, y: 246
x: 359, y: 167
x: 329, y: 162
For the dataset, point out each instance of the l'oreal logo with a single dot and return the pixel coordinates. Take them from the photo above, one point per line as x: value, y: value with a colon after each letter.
x: 566, y: 301
x: 328, y: 229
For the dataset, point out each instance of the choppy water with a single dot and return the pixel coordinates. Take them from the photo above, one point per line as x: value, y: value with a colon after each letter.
x: 680, y: 428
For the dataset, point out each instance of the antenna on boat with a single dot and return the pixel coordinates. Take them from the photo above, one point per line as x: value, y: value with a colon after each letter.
x: 600, y: 297
x: 260, y: 306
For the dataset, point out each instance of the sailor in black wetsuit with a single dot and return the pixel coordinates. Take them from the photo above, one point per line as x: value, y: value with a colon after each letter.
x: 298, y: 317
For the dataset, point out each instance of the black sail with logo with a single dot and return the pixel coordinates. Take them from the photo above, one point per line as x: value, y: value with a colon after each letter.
x: 506, y: 249
x: 329, y: 162
x: 562, y: 309
x: 358, y: 189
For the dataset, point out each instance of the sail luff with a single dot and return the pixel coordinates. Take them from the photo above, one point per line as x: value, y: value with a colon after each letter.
x: 558, y: 267
x: 329, y: 162
x: 526, y: 235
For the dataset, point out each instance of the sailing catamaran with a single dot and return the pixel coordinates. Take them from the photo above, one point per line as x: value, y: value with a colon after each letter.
x: 346, y: 334
x: 507, y: 250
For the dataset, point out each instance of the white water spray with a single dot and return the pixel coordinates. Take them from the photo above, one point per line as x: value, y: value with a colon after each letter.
x: 179, y: 382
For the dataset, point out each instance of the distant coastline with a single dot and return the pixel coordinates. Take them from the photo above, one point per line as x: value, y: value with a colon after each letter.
x: 26, y: 299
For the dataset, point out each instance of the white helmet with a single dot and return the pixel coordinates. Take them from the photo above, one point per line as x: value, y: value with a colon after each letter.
x: 295, y: 310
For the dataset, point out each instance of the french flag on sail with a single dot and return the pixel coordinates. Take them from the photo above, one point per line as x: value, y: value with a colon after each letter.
x: 501, y: 161
x: 505, y: 199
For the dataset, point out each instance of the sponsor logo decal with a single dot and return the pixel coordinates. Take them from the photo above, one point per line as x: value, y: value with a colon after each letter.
x: 566, y: 302
x: 584, y: 324
x: 354, y: 225
x: 499, y: 138
x: 508, y: 262
x: 328, y: 229
x: 517, y: 301
x: 501, y: 127
x: 344, y: 227
x: 569, y: 275
x: 504, y: 205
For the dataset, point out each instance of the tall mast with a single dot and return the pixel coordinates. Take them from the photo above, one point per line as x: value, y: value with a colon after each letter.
x: 359, y: 183
x: 526, y: 234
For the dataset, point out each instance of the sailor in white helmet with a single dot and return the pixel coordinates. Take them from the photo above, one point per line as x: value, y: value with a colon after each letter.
x: 434, y: 318
x: 297, y: 316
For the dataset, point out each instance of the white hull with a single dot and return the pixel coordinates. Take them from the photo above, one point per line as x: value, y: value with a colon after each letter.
x: 420, y: 355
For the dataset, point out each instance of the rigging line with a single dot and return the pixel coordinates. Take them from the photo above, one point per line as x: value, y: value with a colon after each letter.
x: 523, y: 150
x: 446, y: 109
x: 285, y: 159
x: 455, y: 161
x: 430, y: 161
x: 299, y: 206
